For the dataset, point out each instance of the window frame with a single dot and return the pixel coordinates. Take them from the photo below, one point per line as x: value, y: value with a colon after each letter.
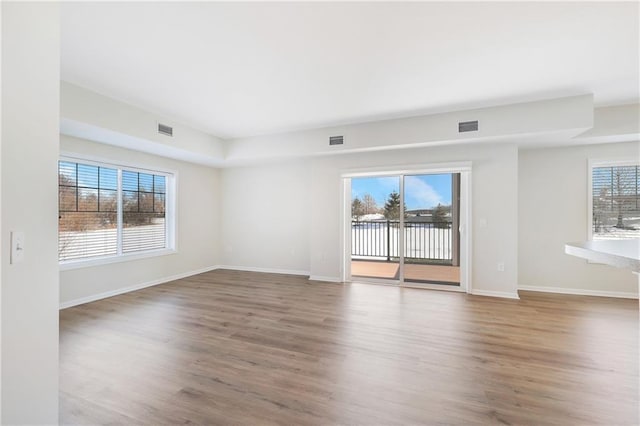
x: 599, y: 162
x: 171, y: 177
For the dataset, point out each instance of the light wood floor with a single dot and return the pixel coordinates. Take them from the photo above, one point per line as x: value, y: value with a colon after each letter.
x: 229, y: 347
x: 412, y: 271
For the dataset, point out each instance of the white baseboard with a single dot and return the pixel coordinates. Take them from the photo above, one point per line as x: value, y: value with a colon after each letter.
x: 325, y: 279
x: 490, y: 293
x: 266, y: 270
x: 580, y: 292
x: 106, y: 294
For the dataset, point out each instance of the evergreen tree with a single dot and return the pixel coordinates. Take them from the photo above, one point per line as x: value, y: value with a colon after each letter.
x: 392, y: 206
x: 357, y: 209
x: 440, y: 216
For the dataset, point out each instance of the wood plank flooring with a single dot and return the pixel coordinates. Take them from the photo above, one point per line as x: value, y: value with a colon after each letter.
x: 228, y: 347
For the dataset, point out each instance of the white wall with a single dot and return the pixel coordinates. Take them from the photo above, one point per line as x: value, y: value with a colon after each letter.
x: 553, y: 210
x: 266, y: 217
x: 619, y: 123
x: 197, y: 227
x: 29, y: 291
x: 310, y: 193
x: 89, y: 115
x: 494, y: 200
x: 568, y: 117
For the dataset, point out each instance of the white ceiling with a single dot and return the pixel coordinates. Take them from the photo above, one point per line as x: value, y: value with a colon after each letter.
x: 242, y: 69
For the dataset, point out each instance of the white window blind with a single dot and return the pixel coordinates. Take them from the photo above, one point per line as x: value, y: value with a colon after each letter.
x: 109, y: 211
x: 615, y: 201
x: 143, y: 211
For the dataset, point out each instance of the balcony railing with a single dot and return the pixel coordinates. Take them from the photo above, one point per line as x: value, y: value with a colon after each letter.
x: 424, y: 242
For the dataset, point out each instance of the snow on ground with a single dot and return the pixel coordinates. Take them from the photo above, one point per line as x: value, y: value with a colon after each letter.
x: 421, y: 242
x: 103, y: 242
x: 372, y: 216
x: 613, y: 233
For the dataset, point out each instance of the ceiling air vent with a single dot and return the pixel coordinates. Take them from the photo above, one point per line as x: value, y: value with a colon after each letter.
x: 163, y: 129
x: 336, y: 140
x: 468, y: 126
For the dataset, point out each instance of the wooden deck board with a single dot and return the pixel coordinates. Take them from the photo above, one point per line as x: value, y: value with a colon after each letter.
x: 389, y: 270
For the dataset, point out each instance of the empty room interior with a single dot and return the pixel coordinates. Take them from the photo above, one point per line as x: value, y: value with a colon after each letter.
x: 320, y: 213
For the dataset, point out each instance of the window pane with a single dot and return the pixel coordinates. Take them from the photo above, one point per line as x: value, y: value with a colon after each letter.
x: 67, y: 199
x: 616, y: 202
x: 108, y: 200
x: 159, y: 203
x: 86, y: 234
x: 143, y: 231
x: 88, y: 206
x: 129, y: 181
x: 144, y: 225
x: 84, y: 231
x: 129, y: 201
x: 87, y: 200
x: 145, y: 182
x: 67, y: 173
x: 146, y: 202
x: 87, y: 176
x: 159, y: 185
x: 108, y: 178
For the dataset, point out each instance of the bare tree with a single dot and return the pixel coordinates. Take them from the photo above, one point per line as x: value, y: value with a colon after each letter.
x: 600, y: 204
x: 624, y: 180
x: 370, y: 205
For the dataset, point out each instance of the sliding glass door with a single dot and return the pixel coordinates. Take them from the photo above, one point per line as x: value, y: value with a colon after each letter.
x: 431, y: 228
x: 375, y: 222
x: 405, y: 228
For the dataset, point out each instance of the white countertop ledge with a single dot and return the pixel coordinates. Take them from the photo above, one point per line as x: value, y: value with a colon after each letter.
x: 619, y: 253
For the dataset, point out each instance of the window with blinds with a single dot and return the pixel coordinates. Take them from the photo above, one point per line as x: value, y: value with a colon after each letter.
x: 143, y: 211
x: 107, y: 211
x: 615, y: 201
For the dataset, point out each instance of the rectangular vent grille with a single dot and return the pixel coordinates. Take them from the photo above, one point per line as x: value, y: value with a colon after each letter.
x: 163, y: 129
x: 467, y: 126
x: 336, y: 140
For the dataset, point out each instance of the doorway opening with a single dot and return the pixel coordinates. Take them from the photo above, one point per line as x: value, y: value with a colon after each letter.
x: 408, y: 228
x: 432, y: 228
x: 375, y: 224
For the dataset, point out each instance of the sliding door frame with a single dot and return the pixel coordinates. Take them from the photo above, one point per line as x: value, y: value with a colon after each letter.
x: 464, y: 169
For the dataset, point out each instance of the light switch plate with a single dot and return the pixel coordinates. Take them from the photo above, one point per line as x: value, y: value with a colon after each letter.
x: 17, y: 247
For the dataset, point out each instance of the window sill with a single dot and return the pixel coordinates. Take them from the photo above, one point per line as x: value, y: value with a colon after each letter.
x: 98, y: 261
